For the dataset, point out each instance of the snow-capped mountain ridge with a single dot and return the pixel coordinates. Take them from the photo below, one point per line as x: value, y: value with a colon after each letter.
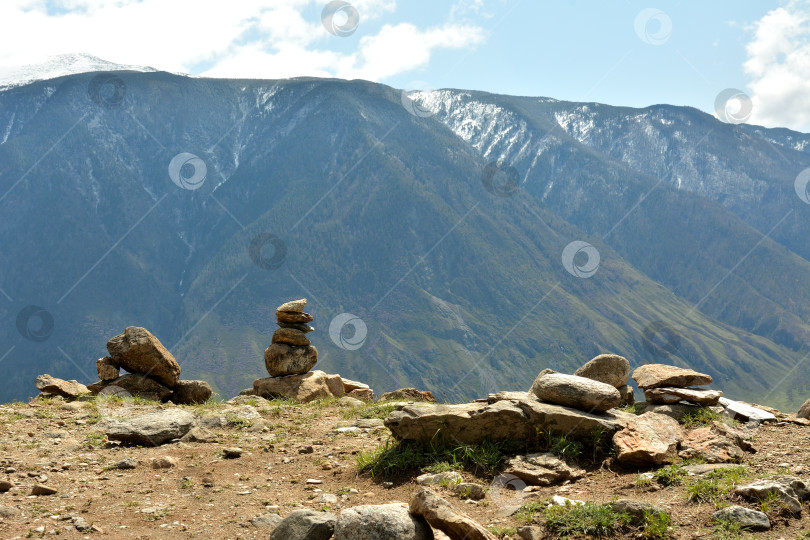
x: 60, y: 66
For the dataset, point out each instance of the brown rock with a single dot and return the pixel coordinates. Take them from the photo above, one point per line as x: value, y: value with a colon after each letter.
x: 305, y: 328
x: 199, y: 435
x: 292, y: 317
x: 543, y: 469
x: 441, y: 515
x: 306, y: 387
x: 281, y: 359
x: 5, y: 485
x: 137, y: 385
x: 546, y: 371
x: 349, y: 385
x: 190, y: 393
x: 163, y: 462
x: 363, y: 394
x: 610, y: 369
x: 718, y: 443
x: 657, y: 375
x: 296, y: 306
x: 106, y: 370
x: 409, y: 394
x: 58, y: 387
x: 674, y: 395
x: 39, y: 489
x: 289, y: 336
x: 138, y: 351
x: 649, y: 439
x: 804, y: 410
x: 578, y: 392
x: 628, y: 397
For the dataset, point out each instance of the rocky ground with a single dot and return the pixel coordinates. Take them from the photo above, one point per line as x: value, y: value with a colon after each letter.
x: 296, y: 456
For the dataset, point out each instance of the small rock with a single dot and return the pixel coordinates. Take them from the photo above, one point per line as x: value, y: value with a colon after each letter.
x: 306, y: 450
x: 5, y: 485
x: 81, y: 525
x: 231, y: 452
x: 791, y: 491
x: 191, y: 393
x: 294, y: 306
x: 305, y: 525
x: 8, y: 511
x: 106, y: 370
x: 39, y: 489
x: 314, y: 481
x: 542, y: 469
x: 290, y: 336
x: 163, y: 462
x: 577, y: 392
x: 198, y: 435
x: 649, y: 439
x: 441, y: 515
x: 69, y: 389
x: 138, y: 351
x: 409, y: 394
x: 610, y: 369
x: 363, y: 394
x: 151, y: 429
x: 264, y: 521
x: 444, y: 478
x: 747, y: 518
x: 326, y: 498
x: 381, y: 522
x: 674, y: 395
x: 657, y: 375
x: 350, y: 402
x: 531, y: 532
x: 127, y: 463
x: 468, y: 490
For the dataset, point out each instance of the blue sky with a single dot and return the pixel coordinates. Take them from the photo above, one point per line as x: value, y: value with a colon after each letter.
x: 567, y: 49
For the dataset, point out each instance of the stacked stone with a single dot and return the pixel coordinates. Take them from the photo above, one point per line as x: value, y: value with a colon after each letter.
x: 663, y: 384
x: 610, y: 369
x: 290, y: 352
x: 153, y: 371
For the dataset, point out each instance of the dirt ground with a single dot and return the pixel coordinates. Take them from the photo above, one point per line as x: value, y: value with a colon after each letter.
x: 291, y: 457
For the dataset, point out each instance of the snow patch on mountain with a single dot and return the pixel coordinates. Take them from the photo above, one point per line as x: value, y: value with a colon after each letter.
x: 60, y: 66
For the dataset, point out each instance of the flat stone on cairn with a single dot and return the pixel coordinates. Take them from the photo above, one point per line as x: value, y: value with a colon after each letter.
x: 663, y: 384
x: 291, y: 352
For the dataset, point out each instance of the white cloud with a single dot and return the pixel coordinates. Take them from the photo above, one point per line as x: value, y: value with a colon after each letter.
x: 238, y: 38
x: 778, y: 65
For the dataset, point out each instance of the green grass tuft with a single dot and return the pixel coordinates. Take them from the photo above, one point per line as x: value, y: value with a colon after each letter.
x: 589, y: 518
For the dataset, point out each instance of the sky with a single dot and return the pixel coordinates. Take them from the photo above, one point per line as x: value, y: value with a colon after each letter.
x: 754, y: 54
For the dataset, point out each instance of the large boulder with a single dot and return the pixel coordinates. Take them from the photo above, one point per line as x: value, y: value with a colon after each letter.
x: 578, y: 392
x: 138, y: 351
x: 657, y: 375
x: 610, y: 369
x: 281, y: 359
x: 441, y: 515
x: 59, y: 387
x: 649, y: 439
x: 507, y: 415
x: 307, y: 387
x: 409, y: 394
x: 136, y: 385
x: 718, y: 443
x: 674, y: 395
x: 305, y: 525
x: 191, y: 393
x: 542, y: 469
x: 381, y: 522
x: 151, y: 429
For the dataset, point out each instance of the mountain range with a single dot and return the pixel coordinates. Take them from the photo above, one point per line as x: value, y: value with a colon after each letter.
x: 453, y: 240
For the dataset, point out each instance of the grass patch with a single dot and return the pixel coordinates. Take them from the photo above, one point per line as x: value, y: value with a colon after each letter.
x: 589, y: 518
x: 501, y: 532
x: 695, y: 418
x: 656, y: 524
x: 527, y: 512
x: 727, y: 529
x: 714, y: 487
x: 394, y: 458
x: 671, y: 475
x: 371, y: 410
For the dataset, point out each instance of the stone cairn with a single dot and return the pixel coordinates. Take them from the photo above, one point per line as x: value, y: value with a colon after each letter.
x: 665, y: 385
x: 291, y: 352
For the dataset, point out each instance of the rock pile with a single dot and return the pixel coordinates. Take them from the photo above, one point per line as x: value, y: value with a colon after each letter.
x: 153, y: 373
x: 290, y: 358
x: 663, y: 384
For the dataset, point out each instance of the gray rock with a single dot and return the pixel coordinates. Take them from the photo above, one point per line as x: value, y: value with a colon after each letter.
x: 442, y: 479
x: 649, y: 439
x: 59, y: 387
x: 531, y: 532
x: 151, y: 429
x: 578, y: 392
x: 676, y: 411
x: 190, y: 393
x: 744, y: 412
x: 468, y: 490
x: 198, y: 435
x: 441, y: 515
x: 634, y: 509
x: 789, y: 488
x: 610, y: 369
x: 542, y: 469
x: 138, y: 351
x: 506, y: 419
x: 674, y: 395
x: 8, y: 511
x: 266, y: 521
x: 127, y: 463
x: 282, y: 359
x: 305, y: 525
x: 657, y: 375
x: 409, y: 394
x: 747, y: 518
x: 628, y: 397
x: 231, y: 452
x: 294, y: 306
x: 137, y: 385
x: 381, y: 522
